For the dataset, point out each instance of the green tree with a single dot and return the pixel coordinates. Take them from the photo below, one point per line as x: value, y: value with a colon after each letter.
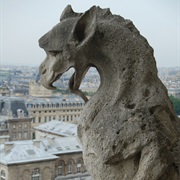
x: 176, y: 103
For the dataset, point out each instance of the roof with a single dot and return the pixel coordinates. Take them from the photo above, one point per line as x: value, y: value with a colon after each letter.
x: 17, y: 152
x: 61, y: 145
x: 22, y: 152
x: 11, y: 105
x: 59, y: 128
x: 60, y: 99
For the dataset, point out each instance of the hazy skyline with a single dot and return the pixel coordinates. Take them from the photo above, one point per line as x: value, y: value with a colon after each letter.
x: 23, y: 22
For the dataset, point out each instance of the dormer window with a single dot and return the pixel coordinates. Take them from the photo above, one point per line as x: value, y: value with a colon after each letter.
x: 20, y: 113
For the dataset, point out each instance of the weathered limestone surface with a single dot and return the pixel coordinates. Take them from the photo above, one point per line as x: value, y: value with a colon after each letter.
x: 128, y: 129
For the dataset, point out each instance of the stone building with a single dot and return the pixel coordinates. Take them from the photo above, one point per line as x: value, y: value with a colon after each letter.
x: 17, y: 113
x: 48, y: 159
x: 63, y: 108
x: 23, y: 160
x: 15, y: 121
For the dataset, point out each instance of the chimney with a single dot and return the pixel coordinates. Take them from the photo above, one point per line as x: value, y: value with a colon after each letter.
x: 51, y: 139
x: 36, y: 143
x: 8, y: 146
x: 4, y: 139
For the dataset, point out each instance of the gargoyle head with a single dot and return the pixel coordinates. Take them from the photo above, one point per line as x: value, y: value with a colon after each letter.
x: 63, y: 44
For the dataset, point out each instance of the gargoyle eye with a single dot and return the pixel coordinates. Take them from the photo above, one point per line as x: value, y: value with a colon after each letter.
x: 54, y: 53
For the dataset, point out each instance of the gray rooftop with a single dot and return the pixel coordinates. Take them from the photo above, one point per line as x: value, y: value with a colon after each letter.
x: 10, y: 105
x: 59, y: 128
x: 17, y: 152
x: 53, y: 100
x: 22, y: 152
x: 61, y: 145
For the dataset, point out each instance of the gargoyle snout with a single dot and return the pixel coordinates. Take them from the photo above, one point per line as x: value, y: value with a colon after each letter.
x: 44, y: 41
x: 42, y: 69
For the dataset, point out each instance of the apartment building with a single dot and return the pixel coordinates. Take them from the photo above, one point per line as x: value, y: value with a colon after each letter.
x: 65, y: 108
x: 15, y: 121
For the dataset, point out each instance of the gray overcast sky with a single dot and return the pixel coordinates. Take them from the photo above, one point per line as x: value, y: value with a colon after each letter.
x: 23, y: 22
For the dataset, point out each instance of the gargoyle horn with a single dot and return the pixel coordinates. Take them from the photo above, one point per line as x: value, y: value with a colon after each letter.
x: 85, y: 27
x: 68, y: 13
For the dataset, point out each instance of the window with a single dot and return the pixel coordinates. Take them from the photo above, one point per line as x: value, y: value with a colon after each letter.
x: 34, y: 120
x: 70, y: 167
x: 25, y: 135
x: 19, y: 135
x: 3, y: 175
x: 25, y: 125
x: 79, y: 165
x: 33, y: 135
x: 45, y: 119
x: 29, y: 105
x: 60, y: 168
x: 36, y: 174
x: 39, y: 119
x: 14, y: 135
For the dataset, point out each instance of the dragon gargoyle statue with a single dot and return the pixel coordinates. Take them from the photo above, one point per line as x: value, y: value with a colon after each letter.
x: 128, y: 128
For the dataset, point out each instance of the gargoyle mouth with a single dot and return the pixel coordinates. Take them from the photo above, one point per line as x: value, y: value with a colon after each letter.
x: 49, y: 83
x: 54, y: 79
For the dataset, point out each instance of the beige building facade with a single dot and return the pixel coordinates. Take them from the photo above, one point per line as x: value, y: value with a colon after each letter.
x: 20, y: 128
x: 31, y: 171
x: 64, y: 108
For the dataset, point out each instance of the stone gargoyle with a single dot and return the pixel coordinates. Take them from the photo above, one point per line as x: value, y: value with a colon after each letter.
x: 128, y: 128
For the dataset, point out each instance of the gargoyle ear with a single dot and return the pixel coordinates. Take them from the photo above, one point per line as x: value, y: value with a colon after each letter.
x: 85, y: 27
x: 69, y: 13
